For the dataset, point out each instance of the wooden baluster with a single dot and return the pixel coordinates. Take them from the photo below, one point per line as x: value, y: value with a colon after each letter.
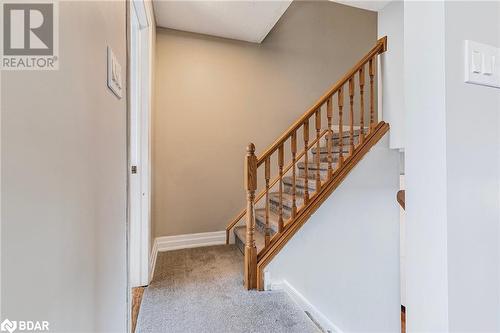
x: 372, y: 94
x: 351, y: 116
x: 250, y: 248
x: 267, y: 168
x: 341, y: 126
x: 306, y: 160
x: 362, y: 104
x: 329, y: 136
x: 293, y: 147
x: 281, y: 159
x: 318, y: 149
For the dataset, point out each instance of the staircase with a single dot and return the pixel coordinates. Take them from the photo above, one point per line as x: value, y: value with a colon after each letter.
x: 317, y: 163
x: 287, y: 195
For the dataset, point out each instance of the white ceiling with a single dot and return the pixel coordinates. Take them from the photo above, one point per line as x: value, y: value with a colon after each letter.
x: 373, y: 5
x: 249, y: 21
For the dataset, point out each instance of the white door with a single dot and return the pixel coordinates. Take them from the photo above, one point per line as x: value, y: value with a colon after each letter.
x: 139, y: 146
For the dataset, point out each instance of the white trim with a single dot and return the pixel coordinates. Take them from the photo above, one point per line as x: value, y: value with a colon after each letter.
x: 141, y: 12
x: 187, y: 241
x: 305, y: 305
x: 139, y: 141
x: 0, y: 192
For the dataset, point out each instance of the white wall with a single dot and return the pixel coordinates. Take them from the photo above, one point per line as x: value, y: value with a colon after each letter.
x: 345, y: 259
x: 425, y: 167
x: 472, y: 143
x: 391, y: 24
x: 63, y: 162
x: 452, y: 171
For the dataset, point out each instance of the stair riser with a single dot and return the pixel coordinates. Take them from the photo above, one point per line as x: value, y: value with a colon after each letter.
x: 345, y: 143
x: 311, y: 174
x: 335, y: 150
x: 299, y: 190
x: 346, y: 133
x: 323, y: 158
x: 287, y: 208
x: 240, y: 244
x: 260, y: 225
x: 240, y: 238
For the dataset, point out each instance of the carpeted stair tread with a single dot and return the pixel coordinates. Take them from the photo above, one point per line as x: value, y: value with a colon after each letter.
x: 312, y: 165
x: 300, y: 182
x: 311, y: 173
x: 347, y: 133
x: 323, y: 158
x: 336, y: 142
x: 274, y: 198
x: 260, y: 220
x: 240, y: 235
x: 335, y: 149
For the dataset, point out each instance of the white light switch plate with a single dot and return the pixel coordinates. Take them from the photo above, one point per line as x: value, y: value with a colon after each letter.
x: 482, y: 64
x: 114, y: 77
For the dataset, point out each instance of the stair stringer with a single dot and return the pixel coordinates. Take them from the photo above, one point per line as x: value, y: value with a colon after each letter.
x: 267, y: 255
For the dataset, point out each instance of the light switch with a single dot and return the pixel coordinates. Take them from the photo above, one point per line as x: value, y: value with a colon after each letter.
x: 488, y: 65
x: 477, y: 60
x: 481, y: 64
x: 114, y: 74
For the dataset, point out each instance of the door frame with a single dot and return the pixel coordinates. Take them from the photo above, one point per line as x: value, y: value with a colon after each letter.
x: 140, y: 62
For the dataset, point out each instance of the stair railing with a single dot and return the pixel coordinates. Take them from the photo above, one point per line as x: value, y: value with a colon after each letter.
x: 343, y: 94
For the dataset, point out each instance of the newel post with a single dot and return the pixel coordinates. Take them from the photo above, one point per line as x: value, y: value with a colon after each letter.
x: 250, y: 248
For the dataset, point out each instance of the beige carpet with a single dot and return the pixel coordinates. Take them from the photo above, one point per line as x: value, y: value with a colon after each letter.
x: 201, y: 290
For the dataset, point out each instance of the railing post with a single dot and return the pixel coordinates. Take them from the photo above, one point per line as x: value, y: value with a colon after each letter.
x: 329, y: 137
x: 250, y: 248
x: 281, y: 160
x: 371, y: 72
x: 267, y: 175
x: 351, y: 116
x: 362, y: 104
x: 318, y: 149
x: 341, y: 127
x: 306, y: 162
x: 293, y: 144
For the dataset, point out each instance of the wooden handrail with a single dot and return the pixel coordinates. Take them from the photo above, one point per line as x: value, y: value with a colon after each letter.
x: 271, y: 184
x: 380, y: 47
x: 401, y: 198
x: 322, y: 175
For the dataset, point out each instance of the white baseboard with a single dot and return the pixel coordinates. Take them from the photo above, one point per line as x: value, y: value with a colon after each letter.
x: 169, y: 243
x: 305, y: 305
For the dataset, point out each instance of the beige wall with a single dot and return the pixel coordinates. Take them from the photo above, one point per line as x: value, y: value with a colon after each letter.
x: 216, y: 95
x: 63, y: 163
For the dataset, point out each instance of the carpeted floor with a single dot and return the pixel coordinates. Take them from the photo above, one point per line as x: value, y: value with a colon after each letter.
x: 201, y: 290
